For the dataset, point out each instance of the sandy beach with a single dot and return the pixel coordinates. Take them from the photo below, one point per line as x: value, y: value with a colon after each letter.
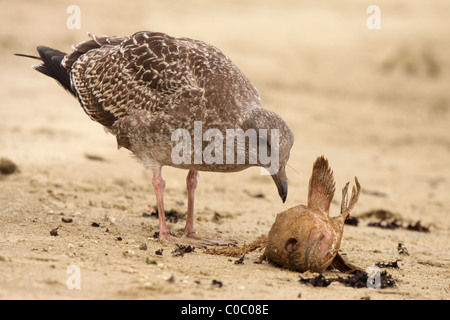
x: 375, y: 103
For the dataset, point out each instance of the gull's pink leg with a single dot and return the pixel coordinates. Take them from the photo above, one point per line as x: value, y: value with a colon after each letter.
x: 159, y: 185
x: 189, y: 231
x: 190, y: 236
x: 191, y: 182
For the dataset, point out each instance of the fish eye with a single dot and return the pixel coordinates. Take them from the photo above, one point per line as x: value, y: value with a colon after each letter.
x: 290, y: 244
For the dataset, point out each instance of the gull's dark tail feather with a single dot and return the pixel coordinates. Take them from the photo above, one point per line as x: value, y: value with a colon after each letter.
x: 52, y: 66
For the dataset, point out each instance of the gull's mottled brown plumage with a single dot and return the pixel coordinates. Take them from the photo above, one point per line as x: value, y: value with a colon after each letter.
x: 154, y: 83
x: 143, y: 87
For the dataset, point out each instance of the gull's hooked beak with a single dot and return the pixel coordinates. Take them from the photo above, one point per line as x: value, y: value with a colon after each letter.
x: 281, y: 182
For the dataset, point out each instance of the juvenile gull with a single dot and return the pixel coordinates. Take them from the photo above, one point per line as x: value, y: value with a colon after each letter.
x: 144, y: 87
